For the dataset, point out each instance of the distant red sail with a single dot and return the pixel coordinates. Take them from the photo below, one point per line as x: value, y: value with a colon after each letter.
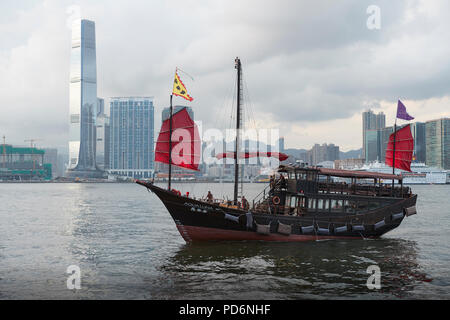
x: 404, y: 146
x: 280, y: 156
x: 186, y: 143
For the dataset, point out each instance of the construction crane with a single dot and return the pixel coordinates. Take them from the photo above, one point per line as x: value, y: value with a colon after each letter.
x: 32, y: 155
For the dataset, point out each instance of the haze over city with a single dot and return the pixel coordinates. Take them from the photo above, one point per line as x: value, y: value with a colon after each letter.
x: 313, y: 86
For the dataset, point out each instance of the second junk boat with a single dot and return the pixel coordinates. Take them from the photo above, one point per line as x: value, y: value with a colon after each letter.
x: 305, y: 203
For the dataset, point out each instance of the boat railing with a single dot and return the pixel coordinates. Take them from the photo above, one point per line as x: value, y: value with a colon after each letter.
x: 363, y: 189
x: 265, y: 194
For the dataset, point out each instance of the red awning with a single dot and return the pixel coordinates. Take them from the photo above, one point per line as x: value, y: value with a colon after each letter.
x: 358, y: 174
x: 245, y: 155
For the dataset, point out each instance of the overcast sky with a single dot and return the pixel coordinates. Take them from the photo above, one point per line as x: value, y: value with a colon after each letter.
x: 310, y: 67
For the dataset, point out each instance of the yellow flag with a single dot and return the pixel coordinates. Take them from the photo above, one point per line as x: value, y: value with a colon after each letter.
x: 179, y: 89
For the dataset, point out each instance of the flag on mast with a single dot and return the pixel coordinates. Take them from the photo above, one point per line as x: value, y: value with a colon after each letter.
x: 179, y: 88
x: 401, y: 112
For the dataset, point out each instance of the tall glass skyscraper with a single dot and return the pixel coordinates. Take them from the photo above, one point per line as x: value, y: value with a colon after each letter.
x: 132, y: 136
x: 83, y: 100
x: 438, y: 143
x: 371, y: 121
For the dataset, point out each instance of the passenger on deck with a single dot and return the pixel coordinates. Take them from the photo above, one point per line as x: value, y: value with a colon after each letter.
x: 245, y: 204
x: 283, y: 183
x: 209, y: 197
x: 272, y: 184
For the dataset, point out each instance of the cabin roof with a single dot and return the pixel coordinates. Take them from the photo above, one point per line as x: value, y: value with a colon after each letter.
x: 341, y: 173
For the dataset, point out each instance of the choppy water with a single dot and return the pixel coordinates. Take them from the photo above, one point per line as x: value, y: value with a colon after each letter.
x: 128, y: 247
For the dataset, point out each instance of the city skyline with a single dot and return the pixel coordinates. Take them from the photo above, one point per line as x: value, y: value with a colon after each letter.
x: 357, y: 69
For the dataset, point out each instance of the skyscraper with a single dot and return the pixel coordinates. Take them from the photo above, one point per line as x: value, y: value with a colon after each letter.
x: 383, y: 137
x: 51, y: 156
x: 102, y: 148
x: 438, y: 143
x: 371, y: 121
x: 324, y: 152
x: 83, y: 101
x: 166, y: 112
x: 281, y: 144
x: 418, y: 133
x: 376, y: 141
x: 131, y: 136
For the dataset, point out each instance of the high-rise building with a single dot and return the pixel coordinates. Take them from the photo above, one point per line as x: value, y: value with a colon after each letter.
x: 383, y: 140
x: 166, y: 112
x: 371, y: 121
x: 438, y: 143
x: 281, y: 144
x: 372, y: 145
x: 324, y: 152
x: 380, y: 121
x: 102, y: 148
x: 51, y: 157
x: 376, y: 141
x: 83, y: 101
x: 131, y: 136
x: 419, y: 134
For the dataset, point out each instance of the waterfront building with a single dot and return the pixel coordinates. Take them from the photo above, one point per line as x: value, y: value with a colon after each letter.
x: 372, y: 145
x: 165, y: 114
x: 131, y: 136
x: 349, y: 164
x: 23, y: 163
x: 83, y: 101
x: 383, y: 137
x: 324, y: 152
x: 51, y: 156
x: 102, y: 148
x: 371, y: 121
x: 438, y: 143
x: 281, y: 144
x: 419, y: 134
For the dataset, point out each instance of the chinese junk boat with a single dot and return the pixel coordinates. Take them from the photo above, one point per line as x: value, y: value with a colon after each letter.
x: 303, y: 203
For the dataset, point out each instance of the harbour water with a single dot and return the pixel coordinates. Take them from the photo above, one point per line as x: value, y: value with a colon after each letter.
x: 127, y: 247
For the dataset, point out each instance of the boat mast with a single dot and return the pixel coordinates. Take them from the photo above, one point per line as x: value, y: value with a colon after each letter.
x: 237, y: 66
x: 170, y: 143
x: 393, y: 156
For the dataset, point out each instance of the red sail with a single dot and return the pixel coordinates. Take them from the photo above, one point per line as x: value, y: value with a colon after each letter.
x: 186, y: 143
x: 404, y: 146
x: 280, y: 156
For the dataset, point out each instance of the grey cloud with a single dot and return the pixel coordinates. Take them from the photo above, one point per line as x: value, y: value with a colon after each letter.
x: 303, y: 61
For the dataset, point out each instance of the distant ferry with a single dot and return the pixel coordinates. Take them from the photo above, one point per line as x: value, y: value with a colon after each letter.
x: 421, y: 173
x: 262, y: 178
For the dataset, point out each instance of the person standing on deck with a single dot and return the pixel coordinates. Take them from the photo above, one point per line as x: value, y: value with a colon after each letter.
x: 245, y: 204
x: 209, y: 197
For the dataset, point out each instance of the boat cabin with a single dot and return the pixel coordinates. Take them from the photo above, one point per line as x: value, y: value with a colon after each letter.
x: 305, y: 190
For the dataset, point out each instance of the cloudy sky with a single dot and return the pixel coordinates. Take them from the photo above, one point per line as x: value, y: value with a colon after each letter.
x: 310, y: 67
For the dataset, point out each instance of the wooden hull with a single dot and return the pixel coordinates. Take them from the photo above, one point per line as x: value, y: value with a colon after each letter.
x: 201, y: 221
